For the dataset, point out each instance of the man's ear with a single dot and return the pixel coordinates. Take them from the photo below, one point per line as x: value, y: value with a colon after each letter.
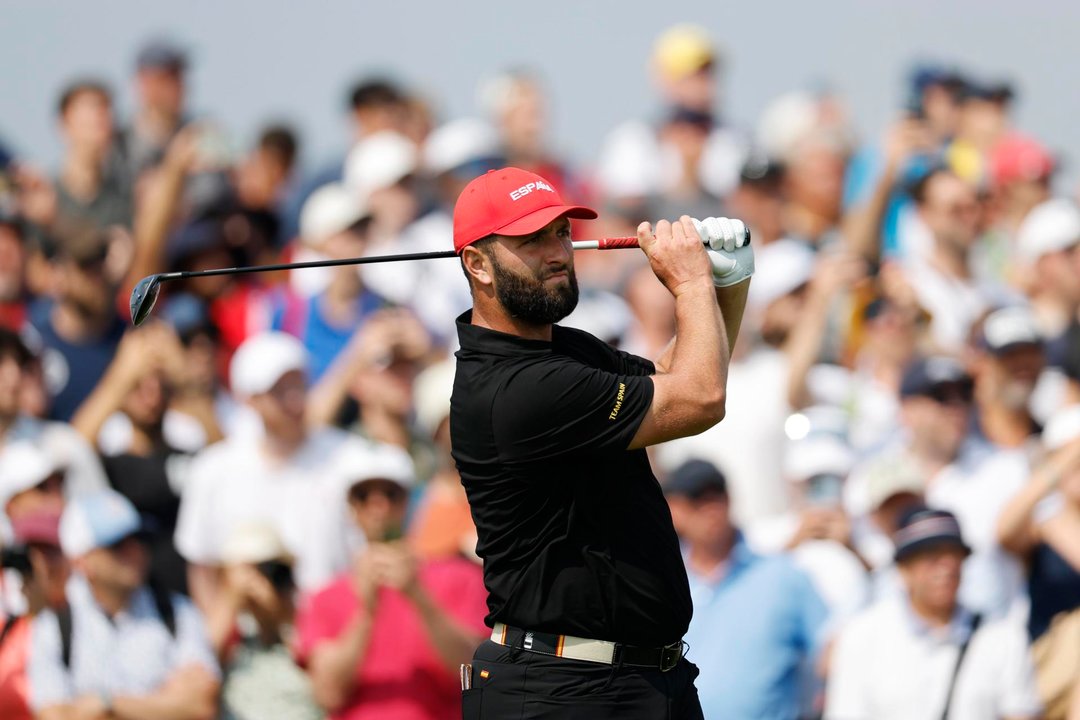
x: 478, y: 265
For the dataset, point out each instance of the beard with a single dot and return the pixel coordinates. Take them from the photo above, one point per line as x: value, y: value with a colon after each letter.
x: 528, y: 298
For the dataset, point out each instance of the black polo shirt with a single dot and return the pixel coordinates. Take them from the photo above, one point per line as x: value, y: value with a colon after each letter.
x: 574, y: 531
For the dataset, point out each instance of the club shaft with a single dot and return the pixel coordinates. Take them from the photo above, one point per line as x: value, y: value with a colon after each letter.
x: 605, y: 244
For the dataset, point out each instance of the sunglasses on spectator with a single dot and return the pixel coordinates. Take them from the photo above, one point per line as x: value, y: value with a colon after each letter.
x: 387, y: 488
x: 952, y: 393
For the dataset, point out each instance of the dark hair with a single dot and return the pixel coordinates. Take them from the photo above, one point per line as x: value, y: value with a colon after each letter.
x: 12, y: 345
x: 280, y: 140
x: 78, y: 87
x: 375, y: 92
x: 919, y: 188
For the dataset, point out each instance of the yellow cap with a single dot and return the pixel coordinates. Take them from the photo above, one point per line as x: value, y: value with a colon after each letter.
x: 682, y: 50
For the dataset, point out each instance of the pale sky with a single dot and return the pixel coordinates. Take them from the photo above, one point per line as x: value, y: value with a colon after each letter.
x: 259, y: 60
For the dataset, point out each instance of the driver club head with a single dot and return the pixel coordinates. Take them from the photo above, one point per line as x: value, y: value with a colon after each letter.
x: 143, y: 298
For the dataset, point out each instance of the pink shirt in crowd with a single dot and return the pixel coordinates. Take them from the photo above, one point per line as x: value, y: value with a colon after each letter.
x: 401, y: 676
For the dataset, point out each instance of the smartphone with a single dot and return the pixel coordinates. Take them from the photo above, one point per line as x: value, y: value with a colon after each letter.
x: 824, y: 490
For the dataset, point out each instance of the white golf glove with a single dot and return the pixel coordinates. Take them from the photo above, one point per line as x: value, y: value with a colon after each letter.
x: 729, y: 249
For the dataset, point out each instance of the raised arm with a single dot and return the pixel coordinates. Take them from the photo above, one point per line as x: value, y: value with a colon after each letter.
x: 690, y: 386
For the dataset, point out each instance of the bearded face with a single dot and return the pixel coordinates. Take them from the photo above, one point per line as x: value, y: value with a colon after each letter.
x: 537, y: 298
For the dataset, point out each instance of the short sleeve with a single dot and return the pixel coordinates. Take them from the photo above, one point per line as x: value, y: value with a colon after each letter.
x: 50, y: 682
x: 192, y: 640
x: 559, y: 406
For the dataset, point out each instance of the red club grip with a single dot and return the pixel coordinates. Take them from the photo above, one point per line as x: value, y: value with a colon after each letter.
x: 618, y: 242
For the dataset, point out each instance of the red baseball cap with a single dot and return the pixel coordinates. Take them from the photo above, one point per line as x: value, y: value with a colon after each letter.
x: 510, y: 201
x: 1018, y: 157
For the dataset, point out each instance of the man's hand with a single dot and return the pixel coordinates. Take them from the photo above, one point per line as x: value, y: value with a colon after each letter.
x: 729, y: 252
x: 396, y: 567
x: 676, y: 253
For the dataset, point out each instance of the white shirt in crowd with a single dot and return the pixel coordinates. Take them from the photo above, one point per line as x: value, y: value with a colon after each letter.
x: 233, y: 482
x: 975, y: 488
x: 749, y: 450
x: 132, y: 652
x: 954, y: 304
x: 887, y: 664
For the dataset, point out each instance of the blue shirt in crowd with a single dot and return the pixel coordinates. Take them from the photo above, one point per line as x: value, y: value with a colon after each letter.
x: 753, y: 628
x: 323, y: 339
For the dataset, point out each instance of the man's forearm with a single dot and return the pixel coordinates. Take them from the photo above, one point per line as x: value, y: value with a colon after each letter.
x: 333, y: 666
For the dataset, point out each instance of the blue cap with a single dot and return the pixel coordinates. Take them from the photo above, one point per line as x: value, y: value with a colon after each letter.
x: 161, y: 54
x: 922, y: 528
x: 95, y: 520
x: 925, y: 375
x: 694, y: 478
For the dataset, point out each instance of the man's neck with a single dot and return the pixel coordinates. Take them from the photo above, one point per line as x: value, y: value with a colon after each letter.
x: 155, y: 124
x: 933, y: 616
x: 81, y: 174
x: 111, y: 601
x: 705, y: 558
x: 493, y: 317
x: 282, y: 448
x: 930, y: 460
x: 950, y: 262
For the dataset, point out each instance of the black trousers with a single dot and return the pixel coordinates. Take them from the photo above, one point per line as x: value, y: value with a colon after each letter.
x: 515, y: 684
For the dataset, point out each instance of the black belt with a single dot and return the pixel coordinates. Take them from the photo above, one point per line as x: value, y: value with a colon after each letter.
x: 602, y: 651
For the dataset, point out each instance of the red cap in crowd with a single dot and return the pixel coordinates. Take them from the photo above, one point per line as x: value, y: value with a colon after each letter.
x: 510, y: 201
x: 1019, y: 158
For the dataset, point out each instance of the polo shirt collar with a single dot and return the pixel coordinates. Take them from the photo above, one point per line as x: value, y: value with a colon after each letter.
x: 955, y: 633
x: 740, y: 557
x: 474, y: 338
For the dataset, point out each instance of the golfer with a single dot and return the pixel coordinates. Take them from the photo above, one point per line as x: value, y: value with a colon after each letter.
x: 588, y: 598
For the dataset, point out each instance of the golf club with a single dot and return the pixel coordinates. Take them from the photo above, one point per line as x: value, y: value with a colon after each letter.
x: 145, y: 294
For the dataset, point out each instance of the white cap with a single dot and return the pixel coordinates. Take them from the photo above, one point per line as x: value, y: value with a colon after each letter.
x: 380, y: 161
x: 1010, y: 326
x: 262, y: 360
x: 375, y: 461
x: 431, y: 393
x: 892, y: 476
x: 252, y: 543
x: 1052, y: 226
x: 780, y: 267
x: 1062, y: 428
x: 818, y: 455
x: 23, y: 465
x: 786, y: 122
x: 459, y: 142
x: 331, y: 209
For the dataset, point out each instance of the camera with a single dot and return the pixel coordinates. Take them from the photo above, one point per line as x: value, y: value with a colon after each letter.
x: 15, y: 557
x: 279, y: 575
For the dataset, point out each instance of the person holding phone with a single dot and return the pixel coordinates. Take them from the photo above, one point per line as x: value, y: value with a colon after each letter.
x: 386, y: 639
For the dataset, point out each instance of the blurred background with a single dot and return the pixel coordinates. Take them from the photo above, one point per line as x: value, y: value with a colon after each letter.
x: 262, y: 476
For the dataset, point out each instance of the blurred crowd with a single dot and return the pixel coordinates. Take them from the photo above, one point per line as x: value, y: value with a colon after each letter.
x: 246, y: 508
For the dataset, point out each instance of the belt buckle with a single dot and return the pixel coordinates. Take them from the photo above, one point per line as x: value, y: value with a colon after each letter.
x: 670, y: 656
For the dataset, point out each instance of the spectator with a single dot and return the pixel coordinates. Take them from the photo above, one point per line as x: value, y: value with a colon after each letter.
x: 924, y: 654
x: 765, y: 610
x: 125, y: 418
x: 37, y: 558
x: 264, y: 176
x: 387, y: 638
x: 698, y: 156
x: 251, y: 628
x: 1006, y: 370
x: 962, y: 474
x: 1041, y: 524
x: 91, y: 187
x: 274, y: 470
x: 335, y: 224
x: 14, y: 291
x: 161, y: 87
x: 78, y: 328
x: 1020, y: 171
x: 121, y: 648
x: 940, y: 271
x: 376, y: 373
x: 59, y: 441
x: 1046, y: 248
